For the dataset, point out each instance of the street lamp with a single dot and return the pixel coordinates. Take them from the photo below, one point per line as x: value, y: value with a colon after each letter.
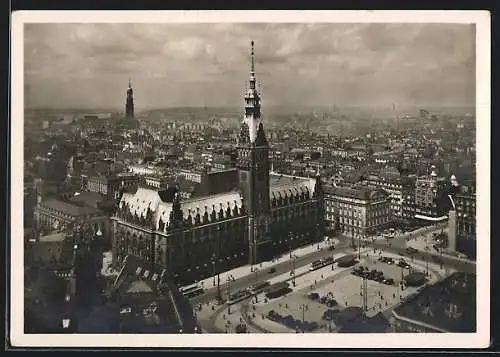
x: 303, y: 307
x: 293, y: 271
x: 213, y: 267
x: 228, y: 295
x: 256, y: 282
x: 359, y: 246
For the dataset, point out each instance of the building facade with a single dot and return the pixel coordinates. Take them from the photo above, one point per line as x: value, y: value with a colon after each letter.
x: 465, y: 203
x: 110, y: 186
x: 394, y: 187
x: 55, y: 215
x: 431, y: 196
x: 199, y: 236
x: 356, y: 211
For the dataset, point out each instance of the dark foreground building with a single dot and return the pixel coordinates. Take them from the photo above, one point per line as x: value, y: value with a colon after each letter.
x: 447, y: 306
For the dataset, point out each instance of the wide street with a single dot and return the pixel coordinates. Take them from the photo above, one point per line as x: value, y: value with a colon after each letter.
x: 396, y: 245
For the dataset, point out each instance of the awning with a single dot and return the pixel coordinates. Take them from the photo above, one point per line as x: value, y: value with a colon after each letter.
x: 432, y: 219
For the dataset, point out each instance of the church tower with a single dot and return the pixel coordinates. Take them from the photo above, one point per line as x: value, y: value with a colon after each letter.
x: 129, y: 107
x: 253, y: 165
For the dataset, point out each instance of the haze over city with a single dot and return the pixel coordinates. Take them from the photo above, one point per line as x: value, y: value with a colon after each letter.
x: 171, y: 65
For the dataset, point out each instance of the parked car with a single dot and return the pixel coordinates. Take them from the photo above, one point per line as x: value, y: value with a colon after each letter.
x: 411, y: 250
x: 313, y: 296
x: 389, y: 281
x: 272, y: 270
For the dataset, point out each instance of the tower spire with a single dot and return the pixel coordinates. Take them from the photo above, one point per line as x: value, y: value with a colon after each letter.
x: 252, y: 53
x: 129, y: 106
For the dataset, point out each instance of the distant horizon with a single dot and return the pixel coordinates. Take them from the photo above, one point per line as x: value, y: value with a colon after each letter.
x: 239, y: 108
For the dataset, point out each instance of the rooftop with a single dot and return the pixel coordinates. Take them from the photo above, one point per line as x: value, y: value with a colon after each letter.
x: 449, y: 305
x: 360, y: 193
x: 68, y: 208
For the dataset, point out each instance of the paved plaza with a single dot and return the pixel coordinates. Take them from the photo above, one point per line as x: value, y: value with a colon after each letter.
x: 345, y: 288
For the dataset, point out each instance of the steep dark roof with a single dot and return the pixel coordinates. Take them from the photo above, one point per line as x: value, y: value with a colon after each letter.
x: 90, y: 199
x: 149, y: 300
x: 69, y: 208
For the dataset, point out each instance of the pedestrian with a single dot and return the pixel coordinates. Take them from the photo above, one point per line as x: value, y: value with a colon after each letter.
x: 286, y: 306
x: 321, y: 276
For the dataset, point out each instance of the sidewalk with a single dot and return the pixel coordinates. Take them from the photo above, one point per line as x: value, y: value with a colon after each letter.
x: 245, y: 270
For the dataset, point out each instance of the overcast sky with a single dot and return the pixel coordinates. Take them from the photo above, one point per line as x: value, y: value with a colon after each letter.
x: 88, y: 65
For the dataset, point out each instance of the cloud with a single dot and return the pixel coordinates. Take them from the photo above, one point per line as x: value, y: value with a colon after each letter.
x: 208, y: 64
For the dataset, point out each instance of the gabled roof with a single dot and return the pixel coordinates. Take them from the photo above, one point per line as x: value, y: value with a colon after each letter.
x: 286, y: 185
x: 145, y: 199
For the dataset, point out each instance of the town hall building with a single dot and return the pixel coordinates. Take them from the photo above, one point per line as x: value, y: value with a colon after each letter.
x: 265, y: 215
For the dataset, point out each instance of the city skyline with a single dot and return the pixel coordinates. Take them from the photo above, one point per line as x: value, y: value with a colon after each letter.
x: 307, y: 65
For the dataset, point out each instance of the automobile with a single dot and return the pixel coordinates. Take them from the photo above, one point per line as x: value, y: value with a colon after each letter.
x: 379, y: 278
x: 389, y: 261
x: 313, y: 296
x: 411, y: 250
x: 382, y: 259
x: 389, y: 281
x: 272, y: 270
x: 332, y: 247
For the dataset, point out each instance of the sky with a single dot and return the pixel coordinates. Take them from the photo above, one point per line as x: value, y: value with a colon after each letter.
x: 321, y: 64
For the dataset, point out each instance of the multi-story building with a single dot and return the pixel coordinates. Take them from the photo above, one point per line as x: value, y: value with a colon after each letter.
x: 408, y: 198
x: 158, y: 182
x: 465, y: 204
x: 53, y: 215
x: 447, y: 306
x: 251, y: 222
x: 192, y: 175
x: 110, y: 186
x: 394, y: 187
x: 431, y: 201
x: 144, y: 170
x: 355, y: 211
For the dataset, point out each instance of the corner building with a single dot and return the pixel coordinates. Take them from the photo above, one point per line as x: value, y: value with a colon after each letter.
x: 267, y: 215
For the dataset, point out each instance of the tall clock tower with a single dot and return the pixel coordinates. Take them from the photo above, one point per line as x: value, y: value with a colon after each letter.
x: 253, y: 165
